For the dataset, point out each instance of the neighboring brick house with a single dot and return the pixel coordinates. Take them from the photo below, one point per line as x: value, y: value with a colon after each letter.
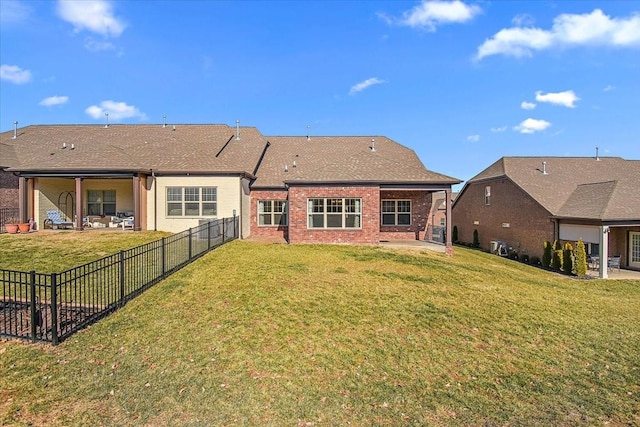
x: 301, y: 190
x: 8, y: 180
x: 525, y: 201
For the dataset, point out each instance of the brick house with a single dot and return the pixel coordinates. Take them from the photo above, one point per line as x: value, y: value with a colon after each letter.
x: 524, y: 201
x: 343, y: 189
x: 302, y: 190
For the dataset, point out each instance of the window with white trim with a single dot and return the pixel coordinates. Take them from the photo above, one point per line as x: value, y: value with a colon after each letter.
x: 396, y: 212
x: 272, y: 212
x: 192, y: 201
x: 487, y: 195
x: 101, y: 202
x: 334, y: 213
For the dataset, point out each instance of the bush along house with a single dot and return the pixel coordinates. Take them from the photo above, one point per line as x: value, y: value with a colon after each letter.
x: 170, y: 177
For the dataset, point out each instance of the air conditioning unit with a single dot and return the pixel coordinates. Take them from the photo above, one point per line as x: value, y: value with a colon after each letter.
x: 494, y: 246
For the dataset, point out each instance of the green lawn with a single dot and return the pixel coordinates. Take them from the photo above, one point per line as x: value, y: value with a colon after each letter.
x: 53, y: 252
x: 279, y: 335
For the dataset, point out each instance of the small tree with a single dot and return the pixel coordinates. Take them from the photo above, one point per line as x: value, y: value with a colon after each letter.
x: 546, y: 255
x: 581, y: 259
x: 567, y: 258
x: 556, y: 256
x: 476, y: 240
x: 455, y: 234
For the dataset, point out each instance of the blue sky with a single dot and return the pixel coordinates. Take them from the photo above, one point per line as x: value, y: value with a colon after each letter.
x: 461, y: 83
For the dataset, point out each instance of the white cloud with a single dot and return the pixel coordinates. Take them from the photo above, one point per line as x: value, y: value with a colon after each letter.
x: 13, y: 12
x: 429, y: 14
x: 532, y: 126
x: 523, y: 19
x: 567, y: 98
x: 608, y: 88
x: 359, y: 87
x: 568, y: 30
x: 527, y: 105
x: 54, y: 100
x: 91, y: 15
x: 14, y: 74
x: 117, y: 111
x: 93, y: 45
x: 473, y: 138
x: 499, y: 129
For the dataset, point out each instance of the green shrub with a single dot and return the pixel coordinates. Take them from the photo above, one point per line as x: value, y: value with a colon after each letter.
x: 567, y: 258
x: 525, y: 258
x: 581, y: 259
x: 546, y: 256
x: 556, y: 256
x: 455, y: 234
x: 476, y: 239
x: 534, y: 260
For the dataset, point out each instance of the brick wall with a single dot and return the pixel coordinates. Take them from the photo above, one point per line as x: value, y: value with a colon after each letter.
x: 368, y: 234
x: 529, y: 224
x: 420, y: 208
x: 8, y: 190
x: 275, y: 232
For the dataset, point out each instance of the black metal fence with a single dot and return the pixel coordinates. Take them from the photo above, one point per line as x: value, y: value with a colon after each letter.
x: 51, y: 307
x: 5, y: 214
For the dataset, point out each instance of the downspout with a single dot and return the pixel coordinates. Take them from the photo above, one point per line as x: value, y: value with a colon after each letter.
x: 240, y: 218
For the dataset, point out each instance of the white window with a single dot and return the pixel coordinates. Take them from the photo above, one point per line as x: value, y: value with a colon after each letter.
x: 192, y: 201
x: 334, y: 213
x: 487, y: 195
x: 101, y: 202
x: 396, y: 212
x: 272, y: 212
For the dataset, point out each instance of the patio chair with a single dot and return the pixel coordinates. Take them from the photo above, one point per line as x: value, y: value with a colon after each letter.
x: 54, y: 220
x: 614, y: 262
x: 127, y: 222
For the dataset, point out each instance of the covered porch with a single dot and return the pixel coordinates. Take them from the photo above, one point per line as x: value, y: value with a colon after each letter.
x: 84, y: 200
x: 616, y: 242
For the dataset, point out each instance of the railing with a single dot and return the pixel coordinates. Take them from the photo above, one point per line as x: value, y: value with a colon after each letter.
x: 51, y: 307
x: 5, y: 214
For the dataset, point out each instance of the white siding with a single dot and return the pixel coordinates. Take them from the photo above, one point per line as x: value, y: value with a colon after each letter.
x: 228, y: 200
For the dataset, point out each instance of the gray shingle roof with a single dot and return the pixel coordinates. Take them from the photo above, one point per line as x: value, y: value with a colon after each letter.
x: 342, y: 159
x: 575, y: 187
x: 188, y: 148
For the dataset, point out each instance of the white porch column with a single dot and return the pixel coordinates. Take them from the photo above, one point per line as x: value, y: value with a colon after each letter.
x: 604, y: 251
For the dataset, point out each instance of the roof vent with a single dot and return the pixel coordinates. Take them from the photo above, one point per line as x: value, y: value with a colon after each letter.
x: 15, y: 129
x: 544, y: 168
x: 237, y: 130
x: 286, y: 168
x: 308, y: 133
x: 107, y: 123
x: 294, y: 164
x: 597, y: 156
x: 174, y: 127
x: 373, y: 144
x: 73, y: 147
x: 164, y: 120
x: 64, y: 145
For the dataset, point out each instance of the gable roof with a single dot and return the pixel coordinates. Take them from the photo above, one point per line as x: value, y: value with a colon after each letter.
x: 342, y: 159
x: 575, y: 187
x: 183, y: 148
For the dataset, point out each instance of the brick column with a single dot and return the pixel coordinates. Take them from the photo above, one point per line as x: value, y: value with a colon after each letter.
x: 449, y: 242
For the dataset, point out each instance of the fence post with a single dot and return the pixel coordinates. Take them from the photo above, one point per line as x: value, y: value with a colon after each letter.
x: 54, y: 308
x: 162, y: 251
x: 209, y: 236
x: 235, y: 228
x: 32, y: 285
x: 190, y: 236
x: 121, y: 262
x: 224, y: 225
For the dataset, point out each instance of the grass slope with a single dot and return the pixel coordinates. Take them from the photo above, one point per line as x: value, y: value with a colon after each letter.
x: 258, y: 334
